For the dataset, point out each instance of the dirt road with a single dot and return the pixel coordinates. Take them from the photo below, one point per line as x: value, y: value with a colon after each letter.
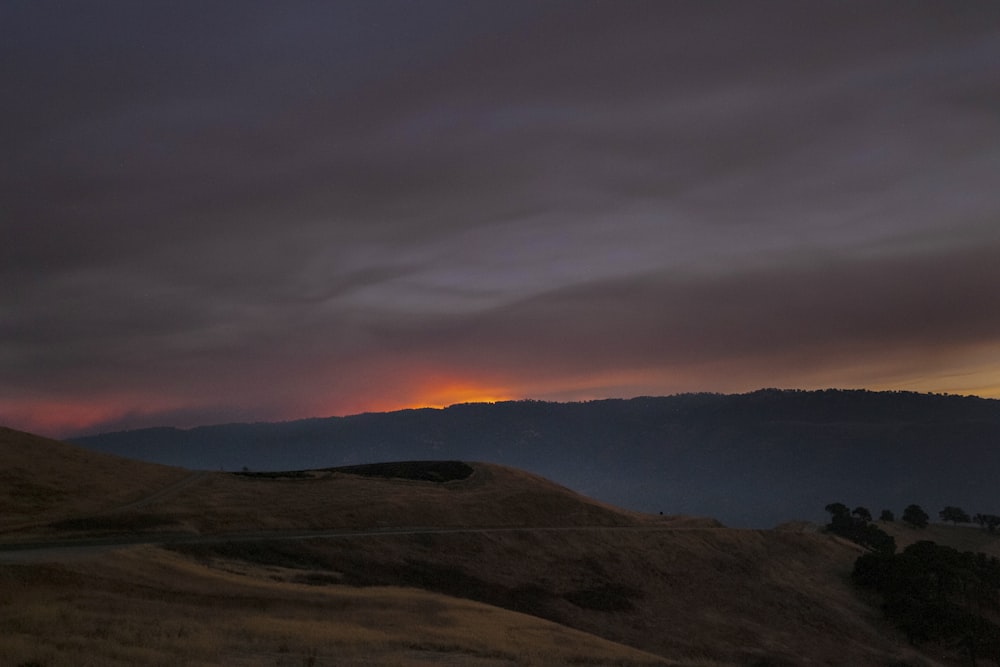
x: 62, y: 550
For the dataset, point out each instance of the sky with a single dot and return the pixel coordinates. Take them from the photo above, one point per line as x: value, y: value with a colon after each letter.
x: 224, y: 211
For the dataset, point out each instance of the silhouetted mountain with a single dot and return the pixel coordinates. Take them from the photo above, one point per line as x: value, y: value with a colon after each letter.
x: 749, y: 460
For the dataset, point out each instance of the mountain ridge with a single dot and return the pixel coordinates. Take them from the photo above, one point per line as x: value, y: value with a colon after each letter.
x: 751, y: 460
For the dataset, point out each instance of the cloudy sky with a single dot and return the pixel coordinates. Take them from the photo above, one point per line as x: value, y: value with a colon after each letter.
x: 247, y: 211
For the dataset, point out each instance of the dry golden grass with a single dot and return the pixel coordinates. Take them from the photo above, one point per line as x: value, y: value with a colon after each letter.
x: 963, y: 538
x: 696, y: 595
x: 692, y: 591
x: 148, y: 607
x: 43, y: 480
x: 491, y: 496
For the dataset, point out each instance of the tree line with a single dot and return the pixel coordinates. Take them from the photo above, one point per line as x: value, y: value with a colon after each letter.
x: 930, y: 592
x: 937, y: 593
x: 842, y: 517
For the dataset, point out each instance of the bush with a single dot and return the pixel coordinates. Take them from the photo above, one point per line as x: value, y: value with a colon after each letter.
x: 858, y: 530
x: 428, y: 471
x: 955, y: 515
x: 915, y: 516
x: 936, y: 593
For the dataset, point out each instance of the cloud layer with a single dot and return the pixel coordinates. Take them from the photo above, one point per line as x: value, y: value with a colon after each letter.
x: 264, y: 211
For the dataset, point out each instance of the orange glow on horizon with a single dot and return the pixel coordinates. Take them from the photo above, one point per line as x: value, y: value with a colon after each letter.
x: 440, y: 393
x: 424, y: 389
x: 412, y: 387
x: 62, y: 418
x: 57, y: 419
x: 411, y: 390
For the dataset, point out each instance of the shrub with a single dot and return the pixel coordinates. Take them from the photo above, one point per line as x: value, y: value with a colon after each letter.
x: 936, y: 593
x: 857, y: 529
x: 428, y: 471
x: 915, y: 516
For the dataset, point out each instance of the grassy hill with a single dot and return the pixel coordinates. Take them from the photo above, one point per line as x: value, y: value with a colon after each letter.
x: 490, y: 496
x: 43, y: 480
x: 145, y: 606
x: 962, y: 537
x: 534, y: 574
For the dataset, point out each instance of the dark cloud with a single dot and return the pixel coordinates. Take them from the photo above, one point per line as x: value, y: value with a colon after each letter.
x: 818, y: 313
x: 303, y: 208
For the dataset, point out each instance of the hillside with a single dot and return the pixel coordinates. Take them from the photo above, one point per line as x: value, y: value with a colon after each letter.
x: 145, y: 606
x: 491, y: 496
x: 603, y: 580
x: 747, y: 460
x: 699, y: 596
x: 43, y: 480
x: 52, y: 487
x: 962, y: 537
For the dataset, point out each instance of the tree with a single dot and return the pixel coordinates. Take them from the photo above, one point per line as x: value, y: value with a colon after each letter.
x: 988, y: 521
x: 937, y: 593
x: 838, y: 509
x: 862, y: 513
x: 954, y: 514
x: 887, y: 515
x: 841, y: 521
x: 858, y: 529
x: 916, y: 516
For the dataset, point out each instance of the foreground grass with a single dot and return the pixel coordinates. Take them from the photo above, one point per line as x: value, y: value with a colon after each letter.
x: 700, y: 596
x: 149, y: 607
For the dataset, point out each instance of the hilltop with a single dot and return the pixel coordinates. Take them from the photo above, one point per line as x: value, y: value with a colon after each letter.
x: 746, y: 460
x: 54, y: 487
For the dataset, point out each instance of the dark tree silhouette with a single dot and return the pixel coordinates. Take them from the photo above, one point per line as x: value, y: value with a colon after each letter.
x: 862, y: 513
x: 916, y: 516
x: 954, y: 514
x: 856, y: 527
x: 838, y: 509
x: 887, y: 515
x: 988, y: 521
x: 937, y: 593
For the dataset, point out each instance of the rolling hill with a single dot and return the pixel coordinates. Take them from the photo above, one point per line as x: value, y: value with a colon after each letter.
x: 749, y: 460
x: 498, y: 567
x: 42, y: 480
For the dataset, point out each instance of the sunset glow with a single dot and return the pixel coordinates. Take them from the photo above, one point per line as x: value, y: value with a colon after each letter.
x: 67, y: 416
x: 443, y: 396
x: 325, y: 209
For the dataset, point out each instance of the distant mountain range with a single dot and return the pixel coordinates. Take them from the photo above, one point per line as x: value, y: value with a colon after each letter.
x: 749, y: 460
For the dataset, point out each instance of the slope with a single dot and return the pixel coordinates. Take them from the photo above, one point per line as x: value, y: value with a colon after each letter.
x: 700, y: 596
x: 145, y: 606
x: 963, y: 538
x: 688, y: 590
x: 44, y: 480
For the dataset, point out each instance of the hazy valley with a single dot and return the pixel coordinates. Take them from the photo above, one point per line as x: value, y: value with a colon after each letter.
x: 748, y: 460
